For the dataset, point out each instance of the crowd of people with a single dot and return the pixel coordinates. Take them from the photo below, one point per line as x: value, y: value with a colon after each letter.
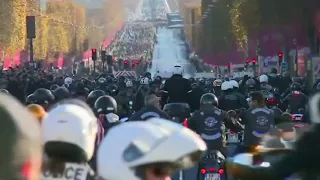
x: 136, y: 41
x: 102, y: 127
x: 89, y: 128
x: 64, y: 127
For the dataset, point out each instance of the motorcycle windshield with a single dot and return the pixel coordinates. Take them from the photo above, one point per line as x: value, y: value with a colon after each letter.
x: 283, y: 136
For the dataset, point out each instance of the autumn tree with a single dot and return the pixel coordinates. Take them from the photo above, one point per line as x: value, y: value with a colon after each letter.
x: 41, y: 42
x: 220, y: 27
x: 80, y: 32
x: 17, y: 26
x: 64, y: 27
x: 5, y: 21
x: 58, y: 39
x: 245, y: 18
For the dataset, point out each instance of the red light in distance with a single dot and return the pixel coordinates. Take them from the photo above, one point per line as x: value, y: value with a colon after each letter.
x: 254, y: 61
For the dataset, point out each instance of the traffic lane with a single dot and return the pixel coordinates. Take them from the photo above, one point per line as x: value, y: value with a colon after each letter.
x: 170, y: 51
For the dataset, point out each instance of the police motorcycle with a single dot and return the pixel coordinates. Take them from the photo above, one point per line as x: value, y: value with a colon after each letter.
x: 178, y: 111
x: 275, y: 145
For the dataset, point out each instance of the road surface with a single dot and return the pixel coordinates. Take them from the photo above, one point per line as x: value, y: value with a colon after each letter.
x: 171, y: 51
x: 168, y: 52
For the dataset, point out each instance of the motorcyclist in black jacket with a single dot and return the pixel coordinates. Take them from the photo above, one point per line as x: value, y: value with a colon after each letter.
x: 229, y: 100
x: 210, y: 122
x: 236, y: 90
x: 250, y: 86
x: 152, y: 109
x: 304, y: 156
x: 176, y: 88
x: 195, y: 95
x: 258, y: 120
x: 296, y: 99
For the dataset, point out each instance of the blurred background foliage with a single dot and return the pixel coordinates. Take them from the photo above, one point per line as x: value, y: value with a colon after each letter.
x: 62, y: 27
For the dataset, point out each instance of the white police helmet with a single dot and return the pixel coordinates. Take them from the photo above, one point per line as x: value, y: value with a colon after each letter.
x: 145, y: 81
x: 146, y: 143
x: 226, y: 86
x: 129, y: 83
x: 178, y: 69
x: 234, y: 83
x: 68, y: 80
x: 72, y: 124
x: 263, y: 78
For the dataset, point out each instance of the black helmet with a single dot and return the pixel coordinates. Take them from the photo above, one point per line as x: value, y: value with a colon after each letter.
x: 194, y: 85
x: 80, y: 89
x: 30, y: 99
x: 209, y: 98
x: 105, y: 105
x: 93, y: 96
x: 4, y: 91
x: 147, y: 74
x: 61, y: 93
x: 113, y: 90
x: 43, y: 97
x: 53, y: 87
x: 251, y: 83
x: 297, y: 80
x: 192, y: 80
x: 295, y: 87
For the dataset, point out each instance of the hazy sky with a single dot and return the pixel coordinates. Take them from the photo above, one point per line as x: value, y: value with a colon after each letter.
x: 87, y: 3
